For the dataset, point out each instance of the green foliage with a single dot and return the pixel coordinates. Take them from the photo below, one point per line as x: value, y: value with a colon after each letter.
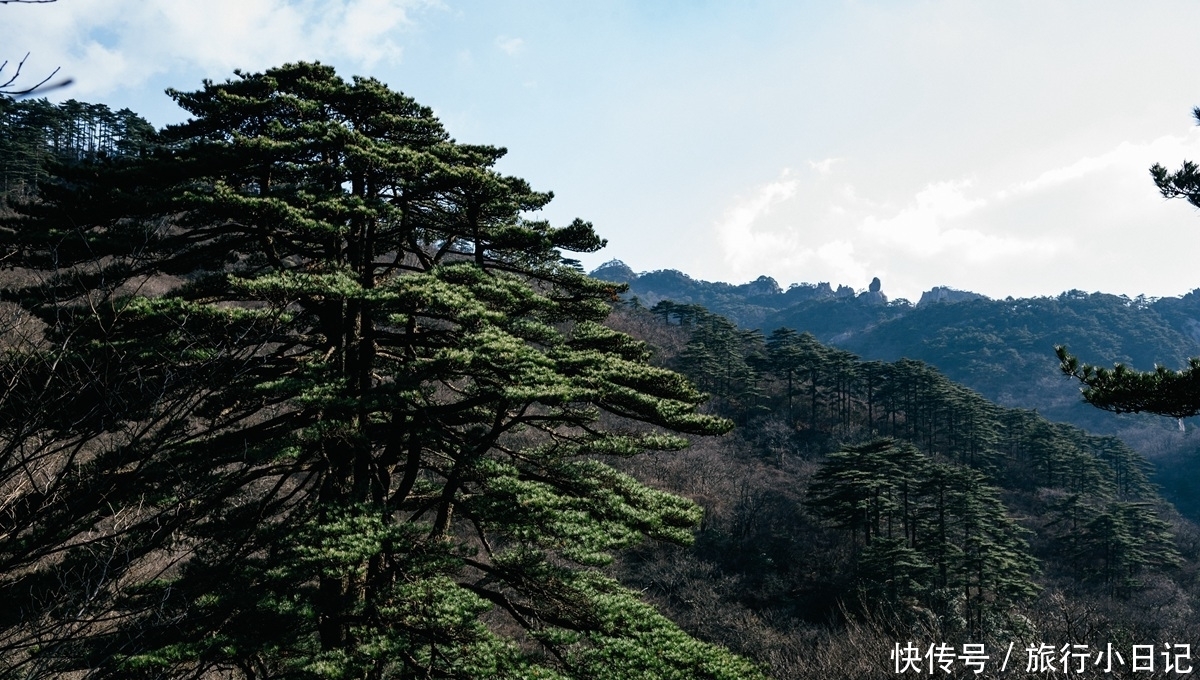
x: 1113, y: 543
x: 360, y: 429
x: 927, y: 529
x: 823, y: 389
x: 1124, y: 390
x: 35, y: 135
x: 1183, y: 183
x: 950, y: 450
x: 1000, y: 348
x: 722, y: 359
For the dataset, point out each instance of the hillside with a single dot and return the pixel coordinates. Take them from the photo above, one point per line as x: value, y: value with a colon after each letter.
x: 748, y: 304
x: 262, y: 418
x: 826, y: 508
x: 1004, y: 349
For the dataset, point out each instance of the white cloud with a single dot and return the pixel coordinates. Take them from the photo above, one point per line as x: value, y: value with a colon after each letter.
x: 839, y: 259
x: 945, y: 233
x: 365, y: 30
x: 510, y: 46
x: 743, y: 244
x: 823, y: 167
x: 920, y: 227
x: 1076, y: 170
x: 1126, y: 157
x: 105, y: 47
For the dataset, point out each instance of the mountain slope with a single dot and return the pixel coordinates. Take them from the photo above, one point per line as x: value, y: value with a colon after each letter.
x: 1004, y: 349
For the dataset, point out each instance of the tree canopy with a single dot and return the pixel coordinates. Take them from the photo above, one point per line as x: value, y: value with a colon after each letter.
x: 1125, y: 390
x: 887, y: 498
x: 1161, y: 391
x: 333, y: 406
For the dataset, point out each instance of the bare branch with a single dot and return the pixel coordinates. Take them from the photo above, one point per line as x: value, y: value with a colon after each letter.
x: 17, y: 74
x: 40, y: 86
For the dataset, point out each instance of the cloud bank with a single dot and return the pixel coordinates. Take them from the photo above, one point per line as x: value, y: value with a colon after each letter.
x: 107, y: 46
x: 1081, y: 224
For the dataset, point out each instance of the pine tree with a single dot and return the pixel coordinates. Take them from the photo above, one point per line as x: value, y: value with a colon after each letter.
x: 797, y: 357
x: 1125, y: 390
x: 995, y: 565
x: 1161, y: 391
x: 934, y: 534
x: 35, y: 135
x: 390, y: 460
x: 1122, y: 540
x: 785, y: 361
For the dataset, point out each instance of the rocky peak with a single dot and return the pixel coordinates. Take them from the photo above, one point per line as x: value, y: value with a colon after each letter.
x: 949, y: 295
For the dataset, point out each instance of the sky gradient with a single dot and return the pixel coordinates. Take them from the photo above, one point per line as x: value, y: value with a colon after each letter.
x: 996, y: 147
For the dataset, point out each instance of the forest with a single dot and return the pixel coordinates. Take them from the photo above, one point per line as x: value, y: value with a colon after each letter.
x: 1001, y: 348
x: 298, y: 388
x: 886, y: 497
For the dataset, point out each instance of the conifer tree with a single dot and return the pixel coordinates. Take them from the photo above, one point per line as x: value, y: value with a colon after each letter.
x: 1122, y: 540
x: 1161, y: 391
x: 722, y: 359
x: 934, y: 534
x: 1125, y: 390
x: 784, y: 357
x: 387, y: 459
x: 796, y: 357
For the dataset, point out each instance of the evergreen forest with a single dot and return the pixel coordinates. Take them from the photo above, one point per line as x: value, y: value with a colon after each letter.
x: 303, y: 388
x: 1003, y: 349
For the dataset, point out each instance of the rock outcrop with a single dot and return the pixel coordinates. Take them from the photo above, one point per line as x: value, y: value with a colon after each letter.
x: 874, y: 294
x: 944, y: 294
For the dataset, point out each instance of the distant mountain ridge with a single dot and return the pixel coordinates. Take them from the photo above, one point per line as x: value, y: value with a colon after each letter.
x: 946, y: 294
x: 747, y: 304
x: 751, y: 303
x: 1002, y: 348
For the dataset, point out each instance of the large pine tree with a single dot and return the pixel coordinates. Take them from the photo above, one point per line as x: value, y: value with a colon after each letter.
x: 359, y: 430
x: 1161, y: 391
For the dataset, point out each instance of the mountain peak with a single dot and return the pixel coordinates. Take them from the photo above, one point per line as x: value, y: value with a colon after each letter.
x: 615, y: 271
x: 949, y: 295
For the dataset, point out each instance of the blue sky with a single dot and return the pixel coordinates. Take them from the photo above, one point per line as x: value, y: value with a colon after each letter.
x: 995, y: 147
